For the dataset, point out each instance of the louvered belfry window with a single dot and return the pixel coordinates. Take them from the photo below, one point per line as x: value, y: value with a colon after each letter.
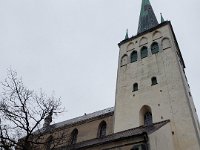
x: 154, y: 48
x: 134, y: 56
x: 144, y: 52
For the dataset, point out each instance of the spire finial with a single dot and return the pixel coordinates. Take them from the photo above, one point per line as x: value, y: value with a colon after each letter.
x: 126, y: 36
x: 147, y: 17
x: 162, y: 19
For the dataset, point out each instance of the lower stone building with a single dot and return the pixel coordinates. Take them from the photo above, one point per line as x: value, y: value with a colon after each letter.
x: 95, y: 132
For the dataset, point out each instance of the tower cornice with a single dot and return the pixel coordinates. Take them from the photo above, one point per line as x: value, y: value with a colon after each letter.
x: 143, y: 33
x: 154, y: 29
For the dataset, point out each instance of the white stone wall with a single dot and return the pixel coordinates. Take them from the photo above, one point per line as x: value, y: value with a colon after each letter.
x: 169, y: 99
x: 162, y: 139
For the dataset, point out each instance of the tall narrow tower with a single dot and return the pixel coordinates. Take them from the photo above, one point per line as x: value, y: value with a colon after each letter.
x: 152, y: 85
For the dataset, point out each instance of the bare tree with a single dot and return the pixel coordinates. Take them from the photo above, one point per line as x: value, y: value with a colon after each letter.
x: 22, y: 113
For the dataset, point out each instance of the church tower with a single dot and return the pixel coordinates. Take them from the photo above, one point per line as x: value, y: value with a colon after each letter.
x: 152, y: 85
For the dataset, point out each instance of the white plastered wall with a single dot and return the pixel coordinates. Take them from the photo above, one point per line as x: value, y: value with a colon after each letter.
x: 162, y: 139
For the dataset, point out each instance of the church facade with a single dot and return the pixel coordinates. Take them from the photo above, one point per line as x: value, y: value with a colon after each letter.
x: 153, y: 110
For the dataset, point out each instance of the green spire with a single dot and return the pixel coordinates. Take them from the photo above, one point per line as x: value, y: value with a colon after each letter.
x: 162, y: 19
x: 147, y: 18
x: 126, y: 36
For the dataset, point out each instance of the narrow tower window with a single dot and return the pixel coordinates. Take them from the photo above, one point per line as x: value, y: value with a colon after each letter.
x: 148, y: 119
x: 74, y: 135
x: 135, y: 87
x: 134, y: 56
x: 154, y: 48
x: 144, y: 52
x: 154, y: 81
x: 102, y: 129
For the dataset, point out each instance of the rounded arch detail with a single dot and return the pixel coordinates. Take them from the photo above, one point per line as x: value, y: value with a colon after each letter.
x: 143, y: 41
x: 157, y: 35
x: 166, y: 43
x: 124, y: 60
x: 130, y: 46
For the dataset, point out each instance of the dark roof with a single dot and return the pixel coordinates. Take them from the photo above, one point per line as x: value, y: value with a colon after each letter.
x: 78, y: 120
x: 85, y: 118
x: 147, y: 17
x: 119, y: 136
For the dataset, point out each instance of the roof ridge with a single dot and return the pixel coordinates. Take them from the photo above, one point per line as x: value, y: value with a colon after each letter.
x: 143, y: 126
x: 84, y: 117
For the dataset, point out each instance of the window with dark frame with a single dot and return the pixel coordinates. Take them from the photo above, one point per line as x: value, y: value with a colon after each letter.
x: 154, y: 48
x: 134, y: 56
x: 154, y: 81
x: 102, y: 129
x: 135, y: 87
x: 144, y: 52
x: 74, y: 136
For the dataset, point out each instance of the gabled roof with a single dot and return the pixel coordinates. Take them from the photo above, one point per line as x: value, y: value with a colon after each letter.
x: 78, y: 120
x: 85, y: 118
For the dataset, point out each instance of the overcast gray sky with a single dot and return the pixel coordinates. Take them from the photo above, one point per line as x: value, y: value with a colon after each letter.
x: 70, y: 46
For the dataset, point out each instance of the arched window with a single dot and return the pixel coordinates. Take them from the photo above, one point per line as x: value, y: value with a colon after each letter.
x: 102, y: 129
x: 154, y: 48
x: 148, y: 119
x: 74, y: 135
x: 124, y: 60
x: 49, y: 143
x: 154, y: 81
x: 144, y: 52
x: 135, y: 87
x: 145, y: 116
x: 134, y: 56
